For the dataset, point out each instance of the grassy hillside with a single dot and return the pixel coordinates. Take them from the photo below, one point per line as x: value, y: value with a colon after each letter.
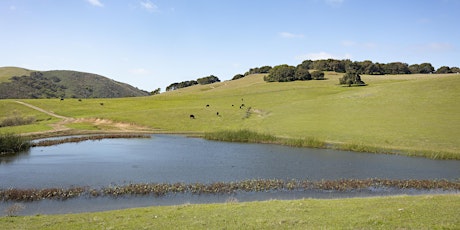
x: 414, y: 113
x: 7, y: 72
x: 401, y: 212
x: 22, y: 83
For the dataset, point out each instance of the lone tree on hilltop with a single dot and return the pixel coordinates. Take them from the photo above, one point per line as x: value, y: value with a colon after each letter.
x: 351, y: 79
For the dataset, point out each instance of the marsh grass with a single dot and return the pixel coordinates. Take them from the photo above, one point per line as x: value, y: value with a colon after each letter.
x: 11, y: 143
x: 243, y: 135
x: 254, y: 185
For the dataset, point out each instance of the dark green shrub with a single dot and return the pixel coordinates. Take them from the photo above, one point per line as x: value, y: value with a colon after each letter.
x: 11, y: 143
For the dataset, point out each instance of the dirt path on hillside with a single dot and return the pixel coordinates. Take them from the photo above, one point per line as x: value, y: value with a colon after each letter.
x: 103, y: 125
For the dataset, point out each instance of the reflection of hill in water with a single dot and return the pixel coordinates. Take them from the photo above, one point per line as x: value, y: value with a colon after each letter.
x: 10, y: 158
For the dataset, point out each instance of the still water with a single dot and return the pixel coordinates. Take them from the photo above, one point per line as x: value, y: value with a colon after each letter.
x: 175, y: 158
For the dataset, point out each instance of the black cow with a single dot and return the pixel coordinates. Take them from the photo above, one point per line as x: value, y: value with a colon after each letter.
x: 192, y: 116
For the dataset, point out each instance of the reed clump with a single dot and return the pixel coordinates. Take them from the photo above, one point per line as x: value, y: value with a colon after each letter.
x: 245, y: 135
x: 242, y: 135
x: 11, y: 143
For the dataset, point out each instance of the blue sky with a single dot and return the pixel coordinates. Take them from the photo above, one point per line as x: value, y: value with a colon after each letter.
x: 153, y: 43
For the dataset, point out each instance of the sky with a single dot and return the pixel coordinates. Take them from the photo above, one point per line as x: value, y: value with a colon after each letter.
x: 153, y: 43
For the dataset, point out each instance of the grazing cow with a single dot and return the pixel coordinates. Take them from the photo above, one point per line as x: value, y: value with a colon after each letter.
x: 217, y: 113
x: 101, y: 103
x: 207, y: 105
x: 62, y: 99
x: 192, y: 116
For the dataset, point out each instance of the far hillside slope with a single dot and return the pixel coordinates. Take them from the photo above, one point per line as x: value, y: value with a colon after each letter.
x: 22, y: 83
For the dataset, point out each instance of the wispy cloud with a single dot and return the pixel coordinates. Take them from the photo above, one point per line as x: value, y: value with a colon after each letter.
x: 290, y: 35
x: 434, y: 47
x: 322, y: 55
x: 365, y: 45
x: 139, y: 71
x: 334, y: 3
x: 95, y: 3
x: 149, y: 6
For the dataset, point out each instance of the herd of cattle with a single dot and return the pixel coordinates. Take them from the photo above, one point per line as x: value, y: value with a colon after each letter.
x: 192, y: 116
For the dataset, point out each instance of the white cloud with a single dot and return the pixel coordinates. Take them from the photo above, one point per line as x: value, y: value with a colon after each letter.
x: 322, y: 55
x: 95, y: 3
x: 290, y: 35
x: 149, y: 6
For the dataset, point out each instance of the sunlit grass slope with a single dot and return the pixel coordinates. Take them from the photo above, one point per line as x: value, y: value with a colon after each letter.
x: 408, y: 112
x: 7, y: 72
x: 401, y: 212
x: 11, y: 109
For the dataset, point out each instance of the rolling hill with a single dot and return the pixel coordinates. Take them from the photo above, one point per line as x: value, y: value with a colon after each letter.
x: 23, y: 83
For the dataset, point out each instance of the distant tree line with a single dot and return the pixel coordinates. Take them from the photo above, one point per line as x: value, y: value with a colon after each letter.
x: 202, y: 81
x: 313, y: 70
x: 344, y: 66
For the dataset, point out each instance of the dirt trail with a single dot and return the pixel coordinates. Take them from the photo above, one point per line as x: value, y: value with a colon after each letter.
x: 105, y: 124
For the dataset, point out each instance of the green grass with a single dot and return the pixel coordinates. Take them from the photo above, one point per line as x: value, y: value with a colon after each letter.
x: 400, y: 212
x: 416, y: 114
x: 7, y: 72
x: 245, y: 135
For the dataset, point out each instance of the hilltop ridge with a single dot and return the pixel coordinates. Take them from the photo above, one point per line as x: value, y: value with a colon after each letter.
x: 23, y: 83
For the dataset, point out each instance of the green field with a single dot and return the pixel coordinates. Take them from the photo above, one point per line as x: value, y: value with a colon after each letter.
x: 411, y: 114
x: 399, y: 212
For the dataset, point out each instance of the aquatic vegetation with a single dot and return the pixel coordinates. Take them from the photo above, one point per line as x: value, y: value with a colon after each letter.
x: 40, y: 194
x: 86, y: 138
x: 254, y: 185
x: 11, y: 143
x: 245, y: 135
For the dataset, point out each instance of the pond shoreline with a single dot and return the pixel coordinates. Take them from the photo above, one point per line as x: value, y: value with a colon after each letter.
x: 292, y: 142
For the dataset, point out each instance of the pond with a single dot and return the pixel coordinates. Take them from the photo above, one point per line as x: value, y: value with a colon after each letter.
x: 175, y: 158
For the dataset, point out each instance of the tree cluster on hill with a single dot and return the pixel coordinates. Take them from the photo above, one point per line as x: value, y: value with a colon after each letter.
x: 371, y: 68
x: 285, y: 73
x: 359, y: 67
x: 202, y: 81
x: 351, y: 79
x: 65, y: 84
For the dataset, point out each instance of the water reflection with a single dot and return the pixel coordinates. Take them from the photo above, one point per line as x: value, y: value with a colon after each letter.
x: 172, y: 158
x: 10, y: 158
